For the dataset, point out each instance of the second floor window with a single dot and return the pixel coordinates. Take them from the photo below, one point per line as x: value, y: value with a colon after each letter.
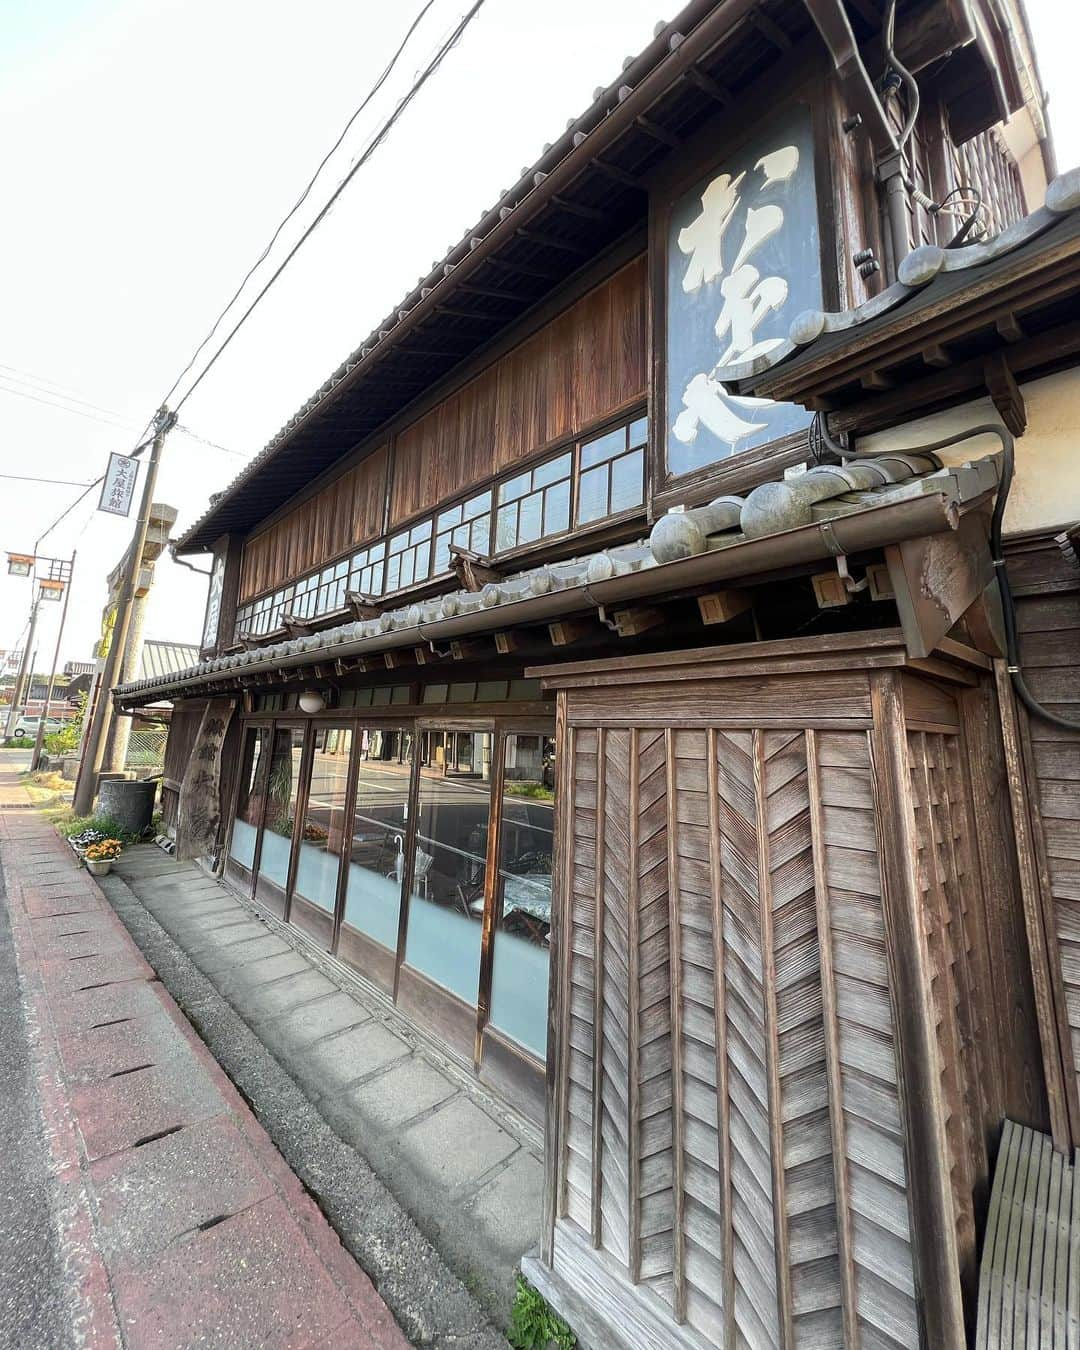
x: 468, y: 525
x: 409, y: 557
x: 612, y: 472
x: 534, y: 504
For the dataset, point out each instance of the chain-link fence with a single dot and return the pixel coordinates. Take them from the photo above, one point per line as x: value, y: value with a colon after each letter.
x: 146, y: 751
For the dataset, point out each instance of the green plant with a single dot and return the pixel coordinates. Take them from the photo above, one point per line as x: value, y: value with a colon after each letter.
x: 102, y: 824
x: 533, y: 1325
x: 18, y: 743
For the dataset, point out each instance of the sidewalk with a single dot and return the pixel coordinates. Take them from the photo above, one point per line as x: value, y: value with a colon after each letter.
x: 180, y: 1224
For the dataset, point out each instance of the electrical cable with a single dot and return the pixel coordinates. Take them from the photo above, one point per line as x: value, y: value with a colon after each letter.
x: 38, y: 397
x: 432, y: 66
x: 909, y: 81
x: 997, y: 548
x: 304, y: 195
x: 61, y: 482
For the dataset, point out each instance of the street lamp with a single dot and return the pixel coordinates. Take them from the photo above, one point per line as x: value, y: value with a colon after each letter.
x: 19, y: 564
x: 51, y: 590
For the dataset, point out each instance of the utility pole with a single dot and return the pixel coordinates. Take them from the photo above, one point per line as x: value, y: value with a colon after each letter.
x: 35, y: 758
x: 27, y: 658
x: 94, y: 745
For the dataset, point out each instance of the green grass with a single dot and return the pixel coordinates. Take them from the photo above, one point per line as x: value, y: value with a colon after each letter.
x: 18, y: 743
x: 76, y: 824
x: 533, y: 1325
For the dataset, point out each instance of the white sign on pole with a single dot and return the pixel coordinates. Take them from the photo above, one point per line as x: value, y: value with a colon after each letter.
x: 119, y: 486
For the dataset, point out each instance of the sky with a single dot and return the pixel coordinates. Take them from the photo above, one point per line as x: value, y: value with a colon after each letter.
x: 151, y: 147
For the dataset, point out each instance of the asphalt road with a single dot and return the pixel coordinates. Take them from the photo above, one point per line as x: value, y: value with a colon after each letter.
x: 33, y: 1313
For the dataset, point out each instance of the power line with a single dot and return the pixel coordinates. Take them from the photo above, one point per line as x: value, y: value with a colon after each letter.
x: 38, y: 397
x: 17, y: 376
x: 61, y: 482
x: 432, y: 66
x: 303, y: 196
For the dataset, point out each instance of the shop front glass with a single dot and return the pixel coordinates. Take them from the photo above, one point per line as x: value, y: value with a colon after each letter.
x: 446, y: 904
x: 519, y: 983
x: 322, y: 836
x: 250, y: 796
x: 379, y: 829
x: 280, y: 813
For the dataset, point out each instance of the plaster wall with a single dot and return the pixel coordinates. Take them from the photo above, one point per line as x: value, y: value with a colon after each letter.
x: 1046, y: 489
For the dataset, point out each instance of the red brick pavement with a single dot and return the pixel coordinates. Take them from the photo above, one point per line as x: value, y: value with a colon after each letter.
x: 181, y: 1225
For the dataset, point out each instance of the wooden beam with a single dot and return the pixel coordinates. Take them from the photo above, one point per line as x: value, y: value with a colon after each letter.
x: 568, y: 631
x: 722, y: 606
x: 494, y: 293
x: 577, y: 209
x: 529, y: 269
x: 508, y: 642
x: 708, y: 85
x: 1009, y: 328
x: 473, y: 570
x: 1005, y: 392
x: 469, y: 649
x: 618, y: 175
x: 658, y: 133
x: 830, y: 591
x: 631, y: 622
x: 550, y: 241
x: 937, y: 357
x: 937, y: 578
x: 421, y: 655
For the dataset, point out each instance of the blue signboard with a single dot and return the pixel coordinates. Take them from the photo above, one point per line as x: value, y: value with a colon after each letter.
x: 743, y: 259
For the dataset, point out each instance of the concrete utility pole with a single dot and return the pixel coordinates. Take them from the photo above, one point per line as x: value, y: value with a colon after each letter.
x: 27, y: 658
x: 95, y: 741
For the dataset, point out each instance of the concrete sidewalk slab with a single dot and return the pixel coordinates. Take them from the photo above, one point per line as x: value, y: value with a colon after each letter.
x: 178, y: 1222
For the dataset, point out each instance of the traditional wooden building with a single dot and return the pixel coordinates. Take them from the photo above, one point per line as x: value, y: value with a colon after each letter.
x: 611, y: 663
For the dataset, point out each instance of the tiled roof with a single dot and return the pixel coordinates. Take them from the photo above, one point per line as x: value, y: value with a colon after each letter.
x: 811, y: 510
x: 917, y: 271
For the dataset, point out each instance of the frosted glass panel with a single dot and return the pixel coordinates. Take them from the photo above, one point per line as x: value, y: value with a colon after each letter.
x: 377, y: 845
x: 242, y: 845
x: 519, y: 981
x: 274, y: 862
x: 446, y: 908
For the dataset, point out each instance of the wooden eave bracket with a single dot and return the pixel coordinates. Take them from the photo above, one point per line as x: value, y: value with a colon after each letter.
x: 362, y: 606
x: 937, y: 579
x: 1005, y: 393
x: 832, y: 23
x: 473, y: 571
x: 296, y: 627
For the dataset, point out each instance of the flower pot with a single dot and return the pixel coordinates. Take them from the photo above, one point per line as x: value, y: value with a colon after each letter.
x: 99, y: 867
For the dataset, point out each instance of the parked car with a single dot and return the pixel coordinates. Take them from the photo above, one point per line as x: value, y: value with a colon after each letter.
x: 27, y: 725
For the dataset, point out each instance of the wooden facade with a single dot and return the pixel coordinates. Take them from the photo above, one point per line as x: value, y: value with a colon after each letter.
x: 586, y: 365
x: 346, y: 512
x: 777, y: 1060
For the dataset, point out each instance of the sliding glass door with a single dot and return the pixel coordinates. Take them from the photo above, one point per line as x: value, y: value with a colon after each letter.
x: 322, y: 836
x: 250, y: 795
x: 279, y: 817
x: 375, y: 874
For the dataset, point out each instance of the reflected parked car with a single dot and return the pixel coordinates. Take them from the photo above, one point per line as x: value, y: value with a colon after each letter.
x: 27, y: 725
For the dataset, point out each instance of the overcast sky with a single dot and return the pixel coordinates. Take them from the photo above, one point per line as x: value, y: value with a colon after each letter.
x: 150, y: 148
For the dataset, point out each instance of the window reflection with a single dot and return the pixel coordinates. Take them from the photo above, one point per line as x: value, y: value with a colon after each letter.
x: 446, y: 906
x: 249, y: 800
x: 377, y: 846
x: 519, y: 985
x: 323, y: 834
x: 281, y: 792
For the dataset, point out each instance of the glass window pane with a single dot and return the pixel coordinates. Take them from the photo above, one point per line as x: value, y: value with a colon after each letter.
x: 506, y: 528
x: 434, y: 693
x: 557, y: 508
x: 478, y: 506
x: 420, y: 532
x: 451, y: 516
x: 442, y: 551
x: 249, y: 802
x: 592, y: 494
x: 377, y: 846
x: 552, y: 471
x: 519, y: 987
x: 627, y: 478
x: 490, y: 691
x: 446, y: 908
x: 322, y: 837
x: 595, y: 452
x: 376, y: 551
x: 462, y: 692
x: 530, y: 520
x: 281, y: 793
x: 380, y: 697
x: 639, y: 432
x: 480, y: 534
x: 422, y: 564
x: 514, y: 488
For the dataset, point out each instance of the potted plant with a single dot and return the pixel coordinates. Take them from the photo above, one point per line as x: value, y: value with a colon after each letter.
x: 101, y: 856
